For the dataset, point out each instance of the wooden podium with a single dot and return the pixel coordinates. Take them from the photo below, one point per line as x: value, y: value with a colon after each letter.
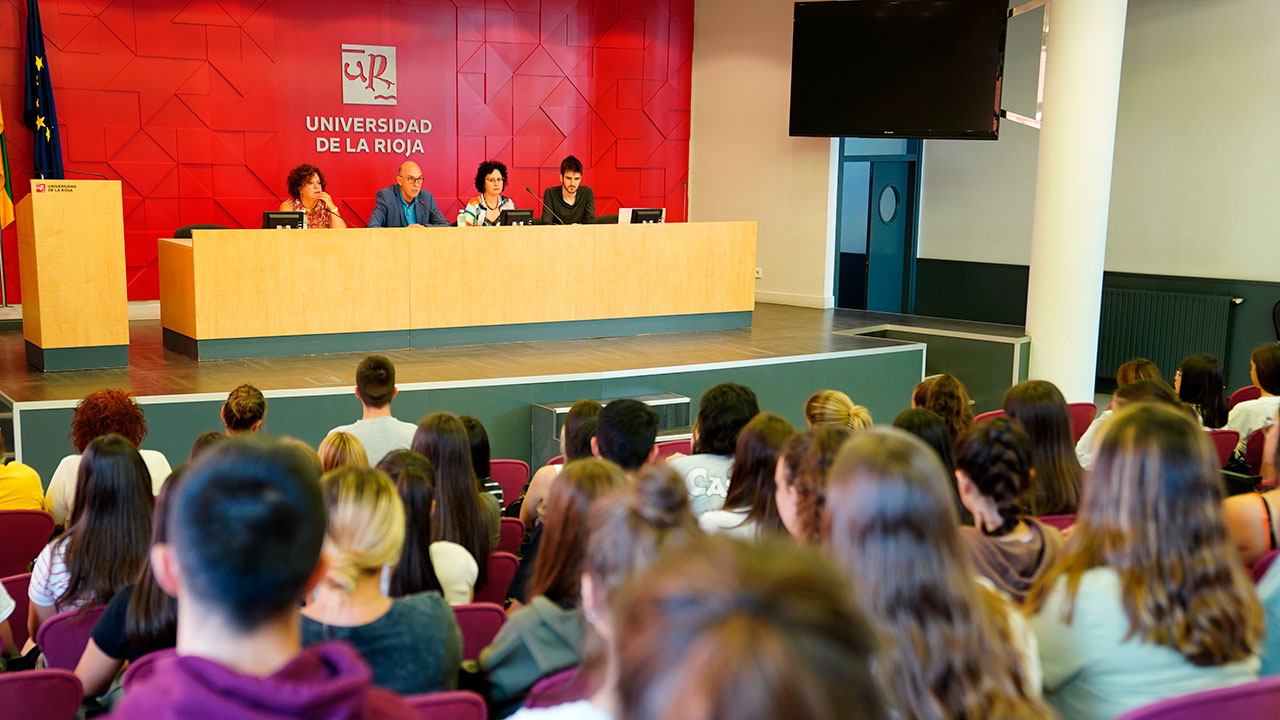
x: 71, y: 259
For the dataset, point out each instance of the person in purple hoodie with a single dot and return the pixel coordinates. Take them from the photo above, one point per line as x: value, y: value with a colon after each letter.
x: 244, y: 548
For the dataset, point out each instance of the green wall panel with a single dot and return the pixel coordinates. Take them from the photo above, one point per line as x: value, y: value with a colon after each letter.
x: 882, y: 382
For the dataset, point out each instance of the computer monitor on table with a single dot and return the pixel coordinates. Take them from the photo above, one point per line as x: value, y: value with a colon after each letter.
x: 641, y: 216
x: 275, y: 220
x: 516, y: 217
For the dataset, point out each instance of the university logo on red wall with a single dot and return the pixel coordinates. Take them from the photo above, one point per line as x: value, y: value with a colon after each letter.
x: 368, y: 75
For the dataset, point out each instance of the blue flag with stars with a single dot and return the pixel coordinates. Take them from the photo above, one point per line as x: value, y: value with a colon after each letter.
x: 38, y: 114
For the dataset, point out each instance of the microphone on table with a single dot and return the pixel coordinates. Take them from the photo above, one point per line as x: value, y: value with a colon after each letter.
x: 437, y: 212
x: 544, y: 207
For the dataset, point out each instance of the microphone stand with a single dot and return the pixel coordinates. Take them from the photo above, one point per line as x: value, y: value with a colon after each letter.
x: 544, y: 207
x: 437, y: 213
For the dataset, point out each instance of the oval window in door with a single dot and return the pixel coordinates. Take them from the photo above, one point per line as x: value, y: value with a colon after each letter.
x: 888, y: 204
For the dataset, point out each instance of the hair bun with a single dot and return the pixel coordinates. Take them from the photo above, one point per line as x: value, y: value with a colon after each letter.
x: 661, y: 498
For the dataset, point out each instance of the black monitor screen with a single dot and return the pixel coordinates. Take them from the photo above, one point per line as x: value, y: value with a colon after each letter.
x: 898, y: 68
x: 516, y: 217
x: 274, y: 220
x: 644, y: 216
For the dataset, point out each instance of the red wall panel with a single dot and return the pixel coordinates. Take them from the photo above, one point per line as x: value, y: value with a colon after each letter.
x: 201, y: 108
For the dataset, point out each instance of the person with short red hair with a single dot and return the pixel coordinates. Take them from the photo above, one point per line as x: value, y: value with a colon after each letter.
x: 101, y: 413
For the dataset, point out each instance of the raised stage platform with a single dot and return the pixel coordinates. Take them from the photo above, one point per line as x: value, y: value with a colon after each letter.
x: 785, y: 355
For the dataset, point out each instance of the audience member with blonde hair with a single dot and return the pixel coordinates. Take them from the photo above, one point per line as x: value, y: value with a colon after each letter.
x: 411, y: 643
x: 1150, y: 600
x: 832, y: 407
x: 950, y: 647
x: 341, y: 449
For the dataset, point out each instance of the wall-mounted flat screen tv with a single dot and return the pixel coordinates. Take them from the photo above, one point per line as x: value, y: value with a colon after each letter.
x: 898, y: 68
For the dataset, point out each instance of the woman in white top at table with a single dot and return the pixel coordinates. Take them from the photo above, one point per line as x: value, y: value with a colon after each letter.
x: 101, y: 413
x: 487, y: 207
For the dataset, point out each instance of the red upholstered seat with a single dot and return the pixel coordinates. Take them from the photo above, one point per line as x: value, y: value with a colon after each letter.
x: 16, y: 586
x: 1251, y: 700
x: 449, y: 705
x: 23, y: 534
x: 52, y: 694
x: 1224, y: 441
x: 501, y: 571
x: 987, y: 416
x: 512, y: 475
x: 63, y: 637
x: 480, y: 623
x: 1248, y: 392
x: 1082, y: 415
x: 510, y: 535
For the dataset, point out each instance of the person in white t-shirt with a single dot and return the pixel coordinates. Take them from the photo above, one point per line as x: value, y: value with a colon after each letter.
x: 101, y: 413
x: 723, y: 411
x: 7, y: 607
x: 377, y: 429
x: 1251, y: 415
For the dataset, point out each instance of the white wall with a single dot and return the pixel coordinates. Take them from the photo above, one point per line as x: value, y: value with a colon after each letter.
x: 1195, y: 181
x: 742, y: 164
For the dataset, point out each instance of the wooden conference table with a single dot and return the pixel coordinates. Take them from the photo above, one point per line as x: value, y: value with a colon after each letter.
x: 260, y: 293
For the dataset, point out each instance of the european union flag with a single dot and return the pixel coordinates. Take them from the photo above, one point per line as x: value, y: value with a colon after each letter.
x: 38, y: 113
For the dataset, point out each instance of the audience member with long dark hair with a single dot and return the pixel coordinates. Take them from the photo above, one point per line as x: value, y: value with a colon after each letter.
x: 800, y: 480
x: 140, y: 619
x: 463, y: 514
x: 425, y: 563
x: 1201, y: 385
x: 575, y: 443
x: 950, y: 647
x: 723, y: 410
x: 412, y: 643
x: 1039, y: 407
x: 99, y: 413
x: 1150, y: 600
x: 107, y: 536
x: 626, y: 532
x: 545, y: 635
x: 481, y: 457
x: 751, y: 509
x: 1008, y: 547
x: 947, y: 396
x: 1251, y: 415
x: 930, y: 427
x: 726, y: 630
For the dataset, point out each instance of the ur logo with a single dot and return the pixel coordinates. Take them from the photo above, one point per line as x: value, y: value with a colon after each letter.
x: 368, y: 75
x: 40, y: 187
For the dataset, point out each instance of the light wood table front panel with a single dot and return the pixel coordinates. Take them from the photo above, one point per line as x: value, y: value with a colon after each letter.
x: 271, y: 283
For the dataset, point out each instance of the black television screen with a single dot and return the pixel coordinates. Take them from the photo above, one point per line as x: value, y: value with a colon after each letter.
x: 898, y: 68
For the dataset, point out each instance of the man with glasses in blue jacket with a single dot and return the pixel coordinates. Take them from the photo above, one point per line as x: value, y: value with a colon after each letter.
x: 405, y: 203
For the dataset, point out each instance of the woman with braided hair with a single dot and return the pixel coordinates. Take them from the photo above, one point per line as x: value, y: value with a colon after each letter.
x: 1009, y: 548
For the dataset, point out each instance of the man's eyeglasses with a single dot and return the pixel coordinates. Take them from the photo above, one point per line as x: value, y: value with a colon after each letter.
x: 414, y: 180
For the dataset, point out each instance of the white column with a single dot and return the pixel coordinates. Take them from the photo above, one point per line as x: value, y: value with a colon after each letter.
x: 1073, y: 191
